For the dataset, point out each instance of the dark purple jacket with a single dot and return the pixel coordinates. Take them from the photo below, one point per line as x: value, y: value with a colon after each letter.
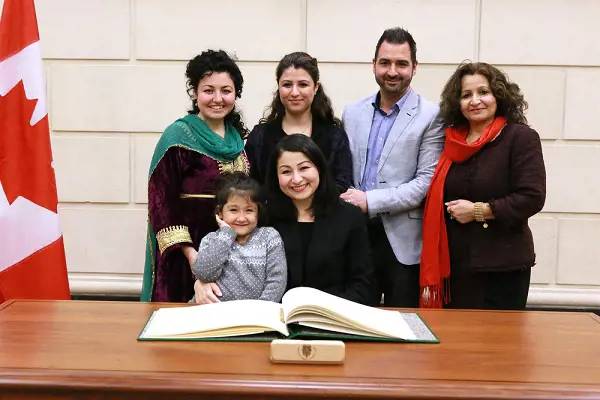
x: 508, y: 173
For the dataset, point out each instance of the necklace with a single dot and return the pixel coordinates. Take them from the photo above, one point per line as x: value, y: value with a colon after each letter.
x: 306, y: 128
x: 471, y: 138
x: 302, y: 132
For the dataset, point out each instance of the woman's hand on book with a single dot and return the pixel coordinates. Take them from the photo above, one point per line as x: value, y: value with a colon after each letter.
x: 206, y: 292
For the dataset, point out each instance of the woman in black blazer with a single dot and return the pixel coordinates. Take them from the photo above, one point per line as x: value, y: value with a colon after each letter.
x: 300, y: 105
x: 325, y: 239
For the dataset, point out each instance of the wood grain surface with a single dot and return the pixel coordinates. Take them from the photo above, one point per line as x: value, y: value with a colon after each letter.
x: 88, y: 350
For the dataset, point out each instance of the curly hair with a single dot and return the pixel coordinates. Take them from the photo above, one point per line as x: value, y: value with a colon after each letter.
x: 320, y: 108
x: 509, y: 98
x: 206, y: 63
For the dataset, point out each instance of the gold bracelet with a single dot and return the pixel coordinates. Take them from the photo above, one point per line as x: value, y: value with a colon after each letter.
x: 478, y: 213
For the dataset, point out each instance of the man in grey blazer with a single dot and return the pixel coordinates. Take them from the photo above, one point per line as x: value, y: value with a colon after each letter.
x: 396, y: 140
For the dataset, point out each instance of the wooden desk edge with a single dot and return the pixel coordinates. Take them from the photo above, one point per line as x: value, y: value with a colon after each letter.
x: 212, y: 384
x: 6, y: 304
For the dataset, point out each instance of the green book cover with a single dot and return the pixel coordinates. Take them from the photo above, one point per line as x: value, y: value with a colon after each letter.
x: 422, y: 332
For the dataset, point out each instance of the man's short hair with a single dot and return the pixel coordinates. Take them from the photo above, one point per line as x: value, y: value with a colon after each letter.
x: 398, y: 35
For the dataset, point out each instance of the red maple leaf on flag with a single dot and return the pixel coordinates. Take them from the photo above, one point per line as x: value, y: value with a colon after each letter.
x: 32, y: 256
x: 25, y: 155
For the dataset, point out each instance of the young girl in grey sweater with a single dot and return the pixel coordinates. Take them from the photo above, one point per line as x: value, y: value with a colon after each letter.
x: 241, y: 260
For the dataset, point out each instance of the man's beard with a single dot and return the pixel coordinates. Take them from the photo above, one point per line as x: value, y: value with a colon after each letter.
x: 399, y: 86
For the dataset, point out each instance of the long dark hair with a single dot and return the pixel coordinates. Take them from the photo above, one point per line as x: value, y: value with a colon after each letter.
x: 326, y: 196
x: 320, y: 108
x: 206, y: 63
x: 240, y: 184
x: 510, y: 102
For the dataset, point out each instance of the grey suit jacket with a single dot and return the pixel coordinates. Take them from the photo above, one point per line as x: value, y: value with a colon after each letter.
x: 405, y: 169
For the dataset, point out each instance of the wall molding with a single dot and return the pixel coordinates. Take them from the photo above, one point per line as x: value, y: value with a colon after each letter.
x: 567, y: 296
x: 131, y: 285
x: 105, y: 284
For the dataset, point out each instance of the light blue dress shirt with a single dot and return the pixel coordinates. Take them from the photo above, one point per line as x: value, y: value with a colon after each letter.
x: 380, y: 130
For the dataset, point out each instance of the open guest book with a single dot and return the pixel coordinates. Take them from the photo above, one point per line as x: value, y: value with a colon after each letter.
x: 303, y: 313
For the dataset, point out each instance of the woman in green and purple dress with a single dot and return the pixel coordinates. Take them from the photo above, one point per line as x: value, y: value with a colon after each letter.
x: 189, y: 157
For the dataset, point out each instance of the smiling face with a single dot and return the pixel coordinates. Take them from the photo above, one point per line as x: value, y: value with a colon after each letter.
x: 215, y: 96
x: 297, y: 90
x: 298, y: 177
x: 394, y: 69
x: 241, y: 214
x: 477, y: 102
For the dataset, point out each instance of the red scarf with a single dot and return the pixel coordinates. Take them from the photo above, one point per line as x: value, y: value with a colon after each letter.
x: 435, y: 257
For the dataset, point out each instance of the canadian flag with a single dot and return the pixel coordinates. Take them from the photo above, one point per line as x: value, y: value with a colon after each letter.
x: 32, y: 255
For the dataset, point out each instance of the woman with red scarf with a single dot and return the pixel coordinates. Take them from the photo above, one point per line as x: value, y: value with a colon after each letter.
x: 477, y: 245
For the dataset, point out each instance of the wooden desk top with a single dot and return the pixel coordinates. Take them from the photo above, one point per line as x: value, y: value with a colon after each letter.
x: 75, y: 348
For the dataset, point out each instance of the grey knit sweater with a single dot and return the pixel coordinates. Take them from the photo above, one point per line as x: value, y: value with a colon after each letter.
x: 256, y: 269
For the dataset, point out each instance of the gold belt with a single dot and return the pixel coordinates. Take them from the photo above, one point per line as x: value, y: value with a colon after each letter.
x: 196, y: 196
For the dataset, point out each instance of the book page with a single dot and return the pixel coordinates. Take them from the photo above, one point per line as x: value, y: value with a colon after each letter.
x: 358, y: 317
x: 314, y: 321
x: 334, y: 328
x: 216, y: 320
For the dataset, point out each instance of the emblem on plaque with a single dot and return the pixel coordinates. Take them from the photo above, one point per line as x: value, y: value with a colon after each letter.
x: 306, y: 351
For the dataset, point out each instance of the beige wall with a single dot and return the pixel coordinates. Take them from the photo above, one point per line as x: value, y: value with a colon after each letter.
x: 115, y: 81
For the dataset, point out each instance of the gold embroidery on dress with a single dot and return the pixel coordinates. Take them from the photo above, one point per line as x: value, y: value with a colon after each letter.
x: 172, y: 235
x: 196, y: 196
x: 240, y: 164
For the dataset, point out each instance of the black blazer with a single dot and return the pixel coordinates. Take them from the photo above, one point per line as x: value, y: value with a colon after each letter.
x: 338, y: 257
x: 331, y: 139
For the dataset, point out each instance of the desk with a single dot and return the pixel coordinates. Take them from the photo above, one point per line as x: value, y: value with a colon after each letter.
x: 86, y: 349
